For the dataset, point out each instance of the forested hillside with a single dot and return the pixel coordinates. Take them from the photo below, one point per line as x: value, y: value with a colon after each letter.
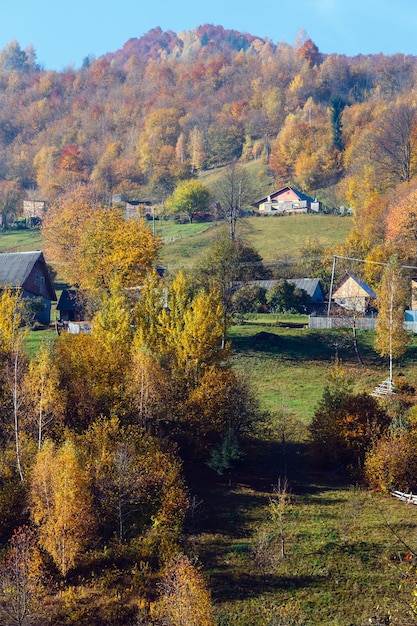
x: 189, y: 461
x: 168, y: 106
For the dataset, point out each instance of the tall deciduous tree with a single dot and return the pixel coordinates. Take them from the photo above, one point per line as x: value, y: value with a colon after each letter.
x: 96, y: 244
x: 20, y: 580
x: 234, y: 192
x: 395, y: 142
x: 11, y: 348
x: 61, y: 504
x: 391, y: 338
x: 192, y: 330
x: 44, y: 396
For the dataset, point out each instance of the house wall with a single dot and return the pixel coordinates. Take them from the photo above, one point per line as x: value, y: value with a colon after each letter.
x: 287, y: 195
x: 414, y: 294
x: 37, y: 282
x: 278, y: 208
x: 34, y: 208
x: 44, y: 316
x: 350, y: 289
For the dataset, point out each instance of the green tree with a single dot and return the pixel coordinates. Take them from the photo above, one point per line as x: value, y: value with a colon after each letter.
x: 391, y: 339
x: 284, y: 297
x: 226, y: 262
x: 337, y: 105
x: 190, y: 197
x: 248, y: 299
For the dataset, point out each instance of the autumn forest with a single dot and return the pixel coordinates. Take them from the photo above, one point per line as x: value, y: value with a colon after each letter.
x: 107, y: 437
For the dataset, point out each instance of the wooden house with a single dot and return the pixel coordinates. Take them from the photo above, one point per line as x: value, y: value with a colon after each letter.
x: 70, y: 306
x: 287, y: 201
x: 354, y: 294
x: 28, y: 272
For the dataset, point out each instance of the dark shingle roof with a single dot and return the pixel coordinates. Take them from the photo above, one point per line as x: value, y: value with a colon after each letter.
x: 15, y: 267
x: 309, y: 285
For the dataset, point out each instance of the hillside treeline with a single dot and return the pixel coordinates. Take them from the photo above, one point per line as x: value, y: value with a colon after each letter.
x: 166, y: 106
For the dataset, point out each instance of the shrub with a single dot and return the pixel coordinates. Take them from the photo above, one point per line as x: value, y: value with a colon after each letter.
x: 345, y: 426
x: 392, y: 463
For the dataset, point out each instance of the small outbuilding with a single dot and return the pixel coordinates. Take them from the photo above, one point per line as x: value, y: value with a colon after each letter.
x: 70, y: 306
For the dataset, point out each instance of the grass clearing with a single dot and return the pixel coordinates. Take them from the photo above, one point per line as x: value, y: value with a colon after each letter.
x: 346, y: 548
x: 24, y: 240
x: 275, y: 239
x: 34, y: 338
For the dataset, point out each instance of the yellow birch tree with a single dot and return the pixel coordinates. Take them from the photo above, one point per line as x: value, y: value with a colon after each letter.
x: 61, y: 504
x: 391, y: 338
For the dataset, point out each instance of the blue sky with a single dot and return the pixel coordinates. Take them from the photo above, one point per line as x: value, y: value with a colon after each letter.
x: 63, y: 33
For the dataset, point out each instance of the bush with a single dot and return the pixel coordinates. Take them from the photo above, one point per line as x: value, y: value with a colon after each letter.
x: 345, y: 426
x: 392, y: 464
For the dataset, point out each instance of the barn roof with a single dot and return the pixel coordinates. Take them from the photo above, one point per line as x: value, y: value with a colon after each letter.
x: 15, y: 267
x: 309, y: 285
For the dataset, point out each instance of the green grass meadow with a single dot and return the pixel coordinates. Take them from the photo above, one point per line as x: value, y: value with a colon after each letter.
x: 275, y: 238
x: 24, y: 240
x: 347, y: 551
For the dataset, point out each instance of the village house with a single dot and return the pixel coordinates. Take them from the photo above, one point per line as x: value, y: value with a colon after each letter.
x: 28, y: 272
x: 311, y: 286
x: 354, y: 294
x: 287, y: 201
x: 34, y: 211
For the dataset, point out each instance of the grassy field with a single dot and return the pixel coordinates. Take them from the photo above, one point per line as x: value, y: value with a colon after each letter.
x: 274, y: 238
x: 23, y: 240
x: 345, y: 548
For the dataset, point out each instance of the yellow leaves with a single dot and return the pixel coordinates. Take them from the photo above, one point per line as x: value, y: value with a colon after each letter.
x: 11, y: 310
x: 401, y: 221
x: 61, y: 504
x: 185, y: 599
x: 112, y: 246
x: 192, y: 329
x: 96, y: 244
x: 391, y: 338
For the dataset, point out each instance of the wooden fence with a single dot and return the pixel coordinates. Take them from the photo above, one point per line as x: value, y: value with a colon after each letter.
x: 361, y: 323
x: 324, y: 322
x: 406, y: 497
